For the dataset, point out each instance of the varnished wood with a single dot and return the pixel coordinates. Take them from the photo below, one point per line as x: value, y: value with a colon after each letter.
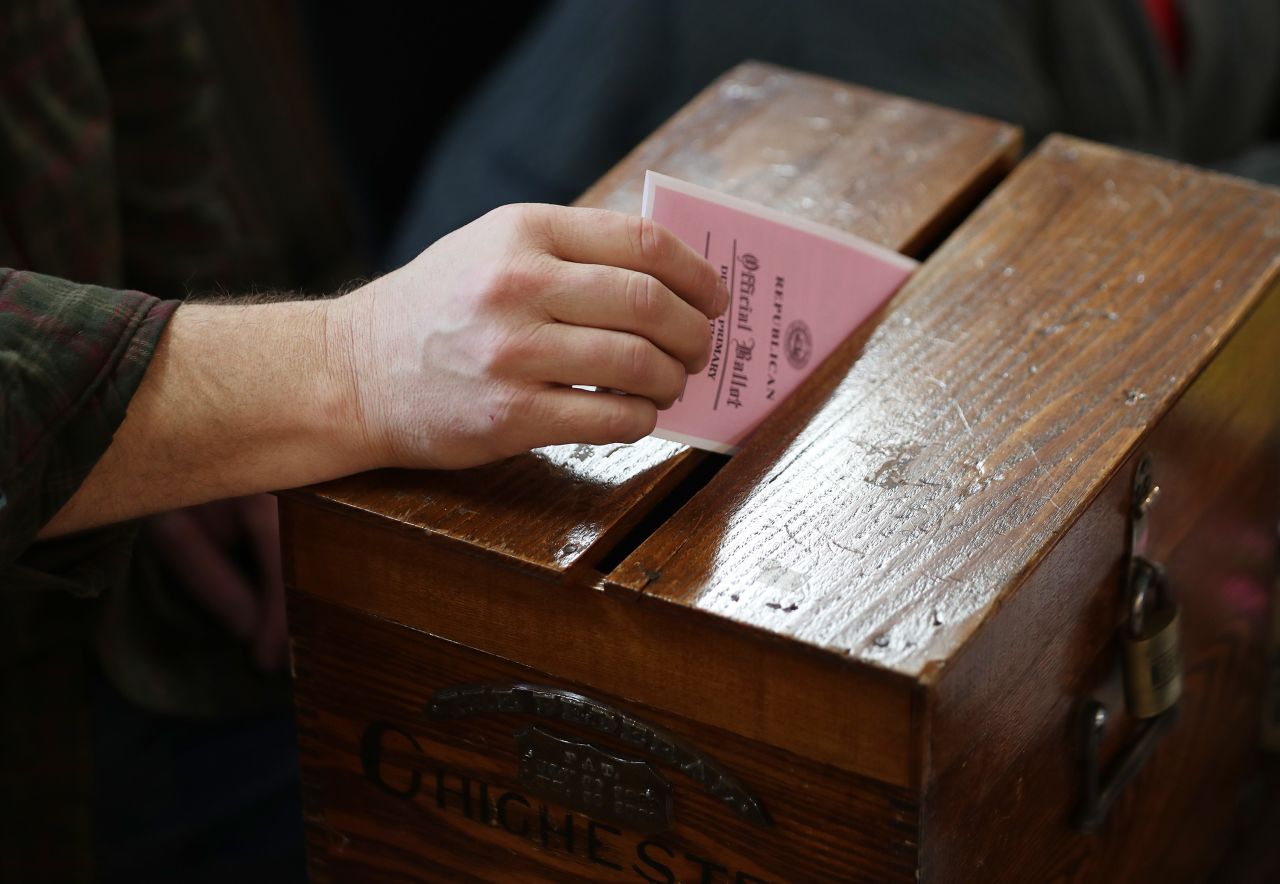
x: 1005, y: 384
x: 619, y: 645
x: 386, y: 674
x: 887, y: 611
x: 895, y: 171
x: 1004, y: 711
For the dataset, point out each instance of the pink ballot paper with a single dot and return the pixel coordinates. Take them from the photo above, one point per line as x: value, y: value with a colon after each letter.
x: 797, y: 289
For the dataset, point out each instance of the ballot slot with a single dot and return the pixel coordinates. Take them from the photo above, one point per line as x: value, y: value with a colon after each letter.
x: 796, y: 290
x: 790, y: 417
x: 705, y: 469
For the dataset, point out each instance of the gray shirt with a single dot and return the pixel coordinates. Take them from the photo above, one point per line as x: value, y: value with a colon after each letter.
x: 592, y: 79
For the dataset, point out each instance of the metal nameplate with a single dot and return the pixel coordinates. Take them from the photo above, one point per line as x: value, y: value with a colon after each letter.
x: 566, y: 706
x: 589, y: 779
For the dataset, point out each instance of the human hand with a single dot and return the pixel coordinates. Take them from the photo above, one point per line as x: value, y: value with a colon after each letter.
x: 226, y: 554
x: 472, y: 351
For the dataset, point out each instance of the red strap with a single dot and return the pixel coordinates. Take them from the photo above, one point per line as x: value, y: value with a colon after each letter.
x: 1167, y: 23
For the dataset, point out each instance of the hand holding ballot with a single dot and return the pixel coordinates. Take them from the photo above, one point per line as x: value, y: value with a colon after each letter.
x: 476, y: 350
x: 489, y: 343
x: 481, y: 346
x: 797, y: 289
x: 714, y: 309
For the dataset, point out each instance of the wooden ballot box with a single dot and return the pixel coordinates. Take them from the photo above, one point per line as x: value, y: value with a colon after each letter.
x: 986, y: 600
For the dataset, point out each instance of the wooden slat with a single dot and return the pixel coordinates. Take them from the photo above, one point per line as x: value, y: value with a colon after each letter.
x: 654, y: 654
x: 1003, y: 387
x: 896, y: 171
x: 386, y: 673
x: 1004, y: 715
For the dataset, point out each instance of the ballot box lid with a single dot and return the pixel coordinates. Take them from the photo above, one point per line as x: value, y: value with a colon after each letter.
x: 885, y: 518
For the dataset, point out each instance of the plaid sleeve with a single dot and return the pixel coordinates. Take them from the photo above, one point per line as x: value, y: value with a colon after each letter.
x: 71, y: 358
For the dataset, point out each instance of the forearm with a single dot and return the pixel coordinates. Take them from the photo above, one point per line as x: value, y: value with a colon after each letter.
x: 236, y: 400
x: 476, y: 350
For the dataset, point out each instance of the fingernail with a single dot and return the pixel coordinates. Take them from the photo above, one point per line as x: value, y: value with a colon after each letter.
x: 722, y: 302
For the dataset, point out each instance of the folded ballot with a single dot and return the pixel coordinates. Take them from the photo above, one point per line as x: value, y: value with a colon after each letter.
x: 797, y: 289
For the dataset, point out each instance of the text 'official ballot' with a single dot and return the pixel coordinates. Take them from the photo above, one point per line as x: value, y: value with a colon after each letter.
x: 797, y: 289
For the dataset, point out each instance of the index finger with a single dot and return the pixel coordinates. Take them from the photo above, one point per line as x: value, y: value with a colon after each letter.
x: 597, y: 236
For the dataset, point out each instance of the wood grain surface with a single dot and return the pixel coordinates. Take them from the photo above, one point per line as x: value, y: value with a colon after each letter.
x: 697, y: 666
x: 895, y: 171
x: 1003, y: 387
x: 1004, y: 716
x: 886, y: 612
x: 358, y: 831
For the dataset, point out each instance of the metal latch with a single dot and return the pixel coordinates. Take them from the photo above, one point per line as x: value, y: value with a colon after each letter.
x: 1151, y: 639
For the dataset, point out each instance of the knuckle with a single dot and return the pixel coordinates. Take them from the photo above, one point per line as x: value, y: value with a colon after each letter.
x: 708, y: 276
x: 619, y: 421
x: 636, y: 360
x: 598, y: 278
x: 505, y: 218
x: 508, y: 410
x: 502, y: 214
x: 701, y: 350
x: 512, y: 352
x: 523, y: 222
x: 644, y: 299
x: 671, y: 388
x: 510, y: 283
x: 666, y: 399
x: 647, y: 239
x: 512, y: 214
x: 641, y: 421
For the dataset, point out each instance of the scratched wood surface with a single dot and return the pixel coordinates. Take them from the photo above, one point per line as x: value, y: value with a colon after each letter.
x: 887, y: 610
x: 1001, y: 745
x: 696, y: 666
x: 892, y: 170
x: 360, y: 831
x: 1004, y: 714
x: 1001, y: 389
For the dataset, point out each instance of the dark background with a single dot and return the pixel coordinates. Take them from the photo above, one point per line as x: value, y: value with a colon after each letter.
x: 327, y: 112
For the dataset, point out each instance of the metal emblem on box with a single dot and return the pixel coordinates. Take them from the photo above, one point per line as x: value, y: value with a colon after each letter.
x: 600, y: 784
x: 575, y: 709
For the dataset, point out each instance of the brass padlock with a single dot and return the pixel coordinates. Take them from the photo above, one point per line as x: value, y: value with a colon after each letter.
x: 1152, y: 643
